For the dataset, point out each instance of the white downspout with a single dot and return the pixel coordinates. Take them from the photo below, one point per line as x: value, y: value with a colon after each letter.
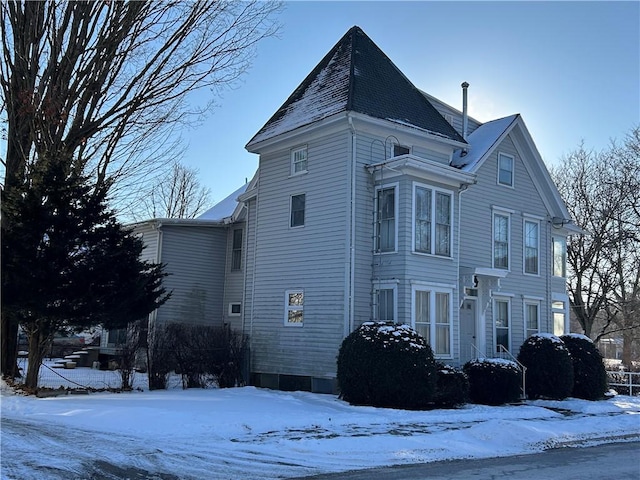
x: 352, y: 234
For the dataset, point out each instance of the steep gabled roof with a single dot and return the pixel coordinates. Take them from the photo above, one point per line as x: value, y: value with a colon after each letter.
x: 356, y: 76
x: 225, y: 207
x: 481, y: 142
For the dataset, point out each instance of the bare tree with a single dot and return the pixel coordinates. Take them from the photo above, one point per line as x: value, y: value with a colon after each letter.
x: 101, y: 85
x: 602, y: 192
x: 179, y: 194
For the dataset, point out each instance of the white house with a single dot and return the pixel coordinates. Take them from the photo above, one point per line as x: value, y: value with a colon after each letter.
x: 374, y: 200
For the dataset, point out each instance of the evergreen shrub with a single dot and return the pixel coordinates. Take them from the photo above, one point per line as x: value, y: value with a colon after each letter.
x: 383, y: 364
x: 549, y: 371
x: 452, y: 387
x: 589, y: 372
x: 493, y: 381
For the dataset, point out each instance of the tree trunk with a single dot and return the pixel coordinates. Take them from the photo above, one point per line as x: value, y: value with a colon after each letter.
x: 627, y: 347
x: 37, y: 344
x: 8, y: 346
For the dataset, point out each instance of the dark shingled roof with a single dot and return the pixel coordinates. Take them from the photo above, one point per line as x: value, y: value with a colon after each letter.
x: 356, y: 76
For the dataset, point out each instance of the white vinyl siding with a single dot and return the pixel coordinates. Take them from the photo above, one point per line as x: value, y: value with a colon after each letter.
x: 432, y: 225
x: 501, y: 240
x: 386, y: 225
x: 432, y: 318
x: 531, y: 247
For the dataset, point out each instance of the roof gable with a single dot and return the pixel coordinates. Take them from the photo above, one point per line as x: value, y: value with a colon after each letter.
x: 356, y: 76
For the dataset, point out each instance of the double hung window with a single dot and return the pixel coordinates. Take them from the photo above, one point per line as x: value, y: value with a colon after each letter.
x: 432, y: 210
x: 299, y: 160
x: 501, y: 234
x: 297, y: 210
x: 386, y: 215
x: 505, y: 170
x: 531, y: 247
x: 432, y: 317
x: 502, y: 321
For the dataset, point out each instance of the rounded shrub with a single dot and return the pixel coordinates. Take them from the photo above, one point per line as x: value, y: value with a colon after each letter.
x: 384, y: 364
x: 549, y: 371
x: 493, y: 381
x: 589, y: 373
x: 452, y: 387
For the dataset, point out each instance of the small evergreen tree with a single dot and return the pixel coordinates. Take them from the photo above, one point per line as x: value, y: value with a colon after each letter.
x: 67, y: 262
x: 386, y: 365
x: 589, y: 373
x: 493, y: 381
x: 549, y: 367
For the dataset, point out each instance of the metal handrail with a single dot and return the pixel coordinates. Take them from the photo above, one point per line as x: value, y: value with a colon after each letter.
x: 502, y: 349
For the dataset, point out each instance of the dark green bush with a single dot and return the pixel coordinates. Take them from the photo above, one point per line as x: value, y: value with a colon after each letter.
x: 493, y: 381
x: 549, y: 371
x: 386, y: 365
x: 452, y: 387
x: 589, y: 373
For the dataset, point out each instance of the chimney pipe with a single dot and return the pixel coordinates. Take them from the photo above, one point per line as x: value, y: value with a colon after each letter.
x: 465, y: 116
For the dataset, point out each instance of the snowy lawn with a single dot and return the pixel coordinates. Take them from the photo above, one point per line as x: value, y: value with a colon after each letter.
x: 256, y: 433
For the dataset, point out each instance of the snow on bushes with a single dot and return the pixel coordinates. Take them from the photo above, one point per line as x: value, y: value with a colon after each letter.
x: 383, y: 364
x: 589, y: 373
x: 549, y: 371
x: 493, y: 381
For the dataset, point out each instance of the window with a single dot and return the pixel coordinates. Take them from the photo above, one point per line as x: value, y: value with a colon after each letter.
x: 505, y: 170
x: 235, y: 309
x: 532, y: 318
x: 501, y: 241
x: 531, y: 242
x: 501, y: 323
x: 297, y: 210
x: 294, y: 308
x: 559, y: 257
x: 432, y: 318
x: 385, y: 305
x: 559, y: 316
x: 400, y: 150
x: 385, y: 234
x: 432, y: 221
x: 299, y: 160
x: 236, y: 250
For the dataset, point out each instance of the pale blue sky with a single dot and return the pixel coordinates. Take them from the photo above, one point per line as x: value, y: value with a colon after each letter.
x: 572, y: 69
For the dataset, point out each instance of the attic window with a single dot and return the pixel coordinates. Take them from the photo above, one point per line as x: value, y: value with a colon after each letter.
x: 299, y: 160
x: 400, y: 150
x: 505, y: 170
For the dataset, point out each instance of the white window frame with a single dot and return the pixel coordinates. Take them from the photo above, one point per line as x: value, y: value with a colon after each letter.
x: 506, y: 300
x: 563, y: 254
x: 292, y: 308
x: 530, y: 331
x: 375, y: 307
x: 434, y: 191
x: 376, y: 239
x: 507, y: 215
x: 559, y: 306
x: 231, y: 312
x: 433, y: 290
x: 513, y: 169
x: 236, y: 251
x: 295, y: 161
x: 304, y: 212
x: 524, y: 246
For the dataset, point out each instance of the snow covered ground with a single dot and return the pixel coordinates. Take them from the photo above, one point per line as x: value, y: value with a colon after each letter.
x: 255, y: 433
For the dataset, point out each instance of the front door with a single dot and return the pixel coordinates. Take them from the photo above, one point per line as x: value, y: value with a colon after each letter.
x: 468, y: 330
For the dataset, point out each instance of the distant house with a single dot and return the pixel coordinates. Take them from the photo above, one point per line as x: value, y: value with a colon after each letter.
x: 374, y: 201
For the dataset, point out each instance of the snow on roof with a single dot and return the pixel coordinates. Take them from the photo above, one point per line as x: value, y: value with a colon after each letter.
x: 481, y: 141
x: 224, y: 208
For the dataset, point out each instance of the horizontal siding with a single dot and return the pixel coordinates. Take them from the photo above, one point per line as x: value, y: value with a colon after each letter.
x: 312, y: 257
x: 477, y: 243
x: 195, y: 261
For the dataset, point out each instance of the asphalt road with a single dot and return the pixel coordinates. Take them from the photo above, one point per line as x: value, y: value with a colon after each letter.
x: 614, y: 461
